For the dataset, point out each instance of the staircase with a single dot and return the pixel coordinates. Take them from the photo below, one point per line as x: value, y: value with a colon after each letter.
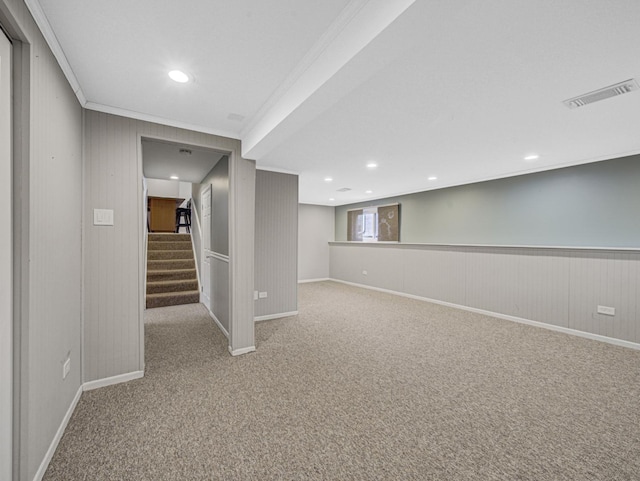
x: 171, y: 271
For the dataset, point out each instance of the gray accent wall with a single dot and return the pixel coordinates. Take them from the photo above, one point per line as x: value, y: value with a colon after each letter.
x: 276, y: 242
x: 316, y: 226
x: 590, y: 205
x: 47, y: 188
x: 558, y: 287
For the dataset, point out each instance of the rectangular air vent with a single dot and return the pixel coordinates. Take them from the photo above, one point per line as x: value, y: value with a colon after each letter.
x: 602, y: 94
x: 344, y: 189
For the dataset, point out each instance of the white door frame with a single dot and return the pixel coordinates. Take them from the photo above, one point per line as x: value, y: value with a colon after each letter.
x: 6, y: 262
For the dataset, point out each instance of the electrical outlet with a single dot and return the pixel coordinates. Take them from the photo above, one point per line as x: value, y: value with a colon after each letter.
x: 262, y: 295
x: 607, y: 311
x: 364, y: 273
x: 66, y: 368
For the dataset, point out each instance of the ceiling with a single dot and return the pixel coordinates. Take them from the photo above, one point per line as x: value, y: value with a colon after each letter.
x: 459, y: 90
x: 164, y: 160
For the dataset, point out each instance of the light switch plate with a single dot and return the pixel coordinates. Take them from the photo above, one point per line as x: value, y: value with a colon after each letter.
x: 102, y: 216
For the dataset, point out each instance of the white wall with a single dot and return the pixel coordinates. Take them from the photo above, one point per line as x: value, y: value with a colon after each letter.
x: 316, y: 227
x: 163, y: 188
x: 185, y: 192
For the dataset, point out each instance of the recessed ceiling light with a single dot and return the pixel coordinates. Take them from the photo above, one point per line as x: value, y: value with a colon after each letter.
x: 372, y: 165
x: 369, y: 192
x: 174, y: 177
x: 331, y: 199
x: 178, y: 76
x: 531, y: 157
x: 433, y: 177
x: 328, y: 179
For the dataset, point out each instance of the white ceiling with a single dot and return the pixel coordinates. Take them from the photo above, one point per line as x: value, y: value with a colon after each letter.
x: 162, y: 160
x: 462, y: 90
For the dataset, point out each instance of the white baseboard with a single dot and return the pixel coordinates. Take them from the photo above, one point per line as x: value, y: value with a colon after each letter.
x: 521, y: 320
x: 56, y: 439
x: 275, y: 316
x: 244, y: 350
x: 304, y: 281
x: 109, y: 381
x: 220, y: 326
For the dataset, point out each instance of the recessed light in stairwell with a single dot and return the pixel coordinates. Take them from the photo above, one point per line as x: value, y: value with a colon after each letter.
x: 328, y: 179
x: 368, y: 192
x: 174, y: 177
x: 531, y: 157
x: 433, y: 177
x: 331, y: 199
x: 178, y: 76
x: 372, y: 165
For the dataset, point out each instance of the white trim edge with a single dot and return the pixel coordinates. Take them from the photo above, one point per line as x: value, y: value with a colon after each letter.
x: 131, y: 114
x: 322, y: 279
x: 50, y: 37
x: 520, y: 320
x: 108, y: 381
x: 275, y: 316
x: 244, y: 350
x: 220, y: 326
x: 56, y: 439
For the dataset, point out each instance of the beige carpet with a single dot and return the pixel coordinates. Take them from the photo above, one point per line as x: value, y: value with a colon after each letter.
x: 362, y: 386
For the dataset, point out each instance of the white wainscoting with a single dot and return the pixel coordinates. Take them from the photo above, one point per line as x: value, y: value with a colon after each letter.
x: 560, y: 287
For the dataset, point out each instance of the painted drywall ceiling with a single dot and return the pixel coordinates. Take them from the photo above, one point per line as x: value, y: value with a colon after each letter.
x: 459, y: 90
x: 162, y: 160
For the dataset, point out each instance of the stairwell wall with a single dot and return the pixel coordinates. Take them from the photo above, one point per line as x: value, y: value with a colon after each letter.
x: 114, y: 264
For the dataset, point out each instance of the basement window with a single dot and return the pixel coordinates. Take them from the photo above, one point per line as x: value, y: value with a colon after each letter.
x: 374, y: 224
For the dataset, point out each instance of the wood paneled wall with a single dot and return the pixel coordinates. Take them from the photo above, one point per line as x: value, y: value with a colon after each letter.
x: 276, y: 246
x: 47, y: 202
x: 114, y: 262
x: 560, y: 287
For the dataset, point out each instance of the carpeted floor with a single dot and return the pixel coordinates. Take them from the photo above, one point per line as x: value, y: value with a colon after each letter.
x: 362, y: 385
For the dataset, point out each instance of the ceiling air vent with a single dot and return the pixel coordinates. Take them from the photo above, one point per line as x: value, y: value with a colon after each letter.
x: 602, y: 94
x: 344, y: 189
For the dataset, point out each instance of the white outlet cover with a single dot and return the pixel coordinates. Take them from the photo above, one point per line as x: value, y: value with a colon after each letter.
x: 607, y: 311
x: 262, y: 295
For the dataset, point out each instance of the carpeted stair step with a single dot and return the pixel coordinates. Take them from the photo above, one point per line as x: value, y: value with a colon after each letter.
x: 159, y: 255
x: 166, y: 246
x: 170, y: 274
x: 179, y: 285
x: 169, y: 238
x: 167, y: 264
x: 172, y: 298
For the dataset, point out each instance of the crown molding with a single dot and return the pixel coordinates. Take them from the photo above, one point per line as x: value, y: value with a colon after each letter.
x: 47, y: 32
x: 108, y: 109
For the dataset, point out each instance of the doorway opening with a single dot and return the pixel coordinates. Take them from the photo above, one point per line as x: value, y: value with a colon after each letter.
x: 177, y: 203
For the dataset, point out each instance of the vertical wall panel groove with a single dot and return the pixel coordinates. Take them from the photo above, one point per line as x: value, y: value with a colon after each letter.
x: 113, y: 257
x: 560, y: 287
x: 276, y: 242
